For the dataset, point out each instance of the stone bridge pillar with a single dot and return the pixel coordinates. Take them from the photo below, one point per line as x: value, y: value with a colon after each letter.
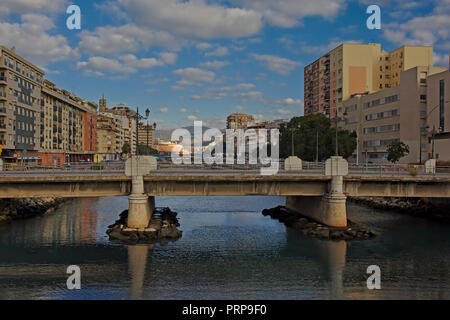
x: 141, y: 206
x: 329, y: 209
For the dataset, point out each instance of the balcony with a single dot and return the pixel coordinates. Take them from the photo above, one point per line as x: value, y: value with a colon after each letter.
x: 3, y: 80
x: 3, y: 95
x: 3, y: 110
x: 2, y: 126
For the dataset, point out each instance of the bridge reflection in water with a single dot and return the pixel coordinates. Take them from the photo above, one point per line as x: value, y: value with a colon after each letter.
x: 228, y: 250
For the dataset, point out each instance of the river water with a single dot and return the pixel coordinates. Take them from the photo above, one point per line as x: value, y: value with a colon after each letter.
x: 228, y: 250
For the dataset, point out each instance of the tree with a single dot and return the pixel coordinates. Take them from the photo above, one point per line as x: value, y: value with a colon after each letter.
x: 126, y: 148
x: 396, y: 151
x: 306, y: 129
x: 144, y: 150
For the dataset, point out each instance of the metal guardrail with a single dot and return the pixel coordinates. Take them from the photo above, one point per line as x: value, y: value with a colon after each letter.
x: 307, y: 167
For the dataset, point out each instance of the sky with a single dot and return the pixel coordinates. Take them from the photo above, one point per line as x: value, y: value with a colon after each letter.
x: 203, y: 59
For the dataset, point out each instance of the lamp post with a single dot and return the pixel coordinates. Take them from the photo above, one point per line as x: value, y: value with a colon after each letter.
x: 336, y: 120
x: 317, y: 146
x: 138, y: 118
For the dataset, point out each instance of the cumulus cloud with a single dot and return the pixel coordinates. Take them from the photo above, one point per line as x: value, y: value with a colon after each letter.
x: 168, y: 57
x: 279, y: 65
x: 192, y: 76
x: 209, y: 96
x: 164, y: 110
x: 431, y: 29
x: 238, y: 87
x: 203, y: 46
x: 291, y: 102
x: 192, y: 117
x: 182, y: 110
x: 28, y: 6
x: 289, y: 13
x: 253, y: 95
x: 219, y: 52
x: 125, y: 64
x: 194, y: 19
x: 110, y: 40
x: 32, y: 40
x: 215, y: 64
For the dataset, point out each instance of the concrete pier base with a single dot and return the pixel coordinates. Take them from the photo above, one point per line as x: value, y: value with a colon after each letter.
x: 140, y: 210
x: 330, y: 209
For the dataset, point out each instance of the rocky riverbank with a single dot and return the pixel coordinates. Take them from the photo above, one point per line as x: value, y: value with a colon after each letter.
x: 162, y: 227
x: 311, y: 228
x: 419, y: 207
x: 14, y: 209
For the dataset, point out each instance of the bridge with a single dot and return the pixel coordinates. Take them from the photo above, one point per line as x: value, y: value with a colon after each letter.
x: 314, y: 193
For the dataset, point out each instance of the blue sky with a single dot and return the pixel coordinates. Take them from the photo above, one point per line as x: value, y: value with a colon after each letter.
x: 201, y: 59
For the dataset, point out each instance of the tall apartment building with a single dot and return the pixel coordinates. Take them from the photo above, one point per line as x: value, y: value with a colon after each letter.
x: 68, y: 126
x: 238, y: 120
x: 20, y: 97
x: 116, y: 126
x: 395, y: 114
x: 128, y: 123
x: 110, y: 135
x: 146, y: 134
x: 39, y: 122
x: 351, y: 69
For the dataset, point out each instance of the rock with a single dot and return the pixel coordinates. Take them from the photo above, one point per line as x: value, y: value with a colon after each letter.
x: 324, y: 233
x: 163, y: 225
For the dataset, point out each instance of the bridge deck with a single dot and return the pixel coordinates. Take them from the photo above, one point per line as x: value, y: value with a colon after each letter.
x: 67, y: 185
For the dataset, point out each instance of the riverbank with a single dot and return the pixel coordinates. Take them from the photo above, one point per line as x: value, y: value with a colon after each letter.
x: 419, y: 207
x: 15, y: 209
x: 313, y: 229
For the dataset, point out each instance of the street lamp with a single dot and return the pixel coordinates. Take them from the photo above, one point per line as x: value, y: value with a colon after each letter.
x: 138, y: 118
x: 338, y: 119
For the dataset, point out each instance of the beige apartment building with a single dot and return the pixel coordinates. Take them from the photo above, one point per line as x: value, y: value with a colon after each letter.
x: 146, y: 134
x: 392, y: 114
x: 117, y: 126
x: 62, y: 121
x: 110, y: 135
x: 20, y: 99
x: 128, y: 124
x: 353, y: 68
x: 40, y: 123
x: 238, y: 120
x: 437, y: 118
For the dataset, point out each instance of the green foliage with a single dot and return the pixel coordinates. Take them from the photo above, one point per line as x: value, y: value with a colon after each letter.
x: 305, y: 134
x: 126, y: 148
x: 145, y: 150
x: 396, y: 151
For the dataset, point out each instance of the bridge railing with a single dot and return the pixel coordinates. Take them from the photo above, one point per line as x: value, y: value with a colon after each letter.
x: 78, y: 167
x: 313, y: 168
